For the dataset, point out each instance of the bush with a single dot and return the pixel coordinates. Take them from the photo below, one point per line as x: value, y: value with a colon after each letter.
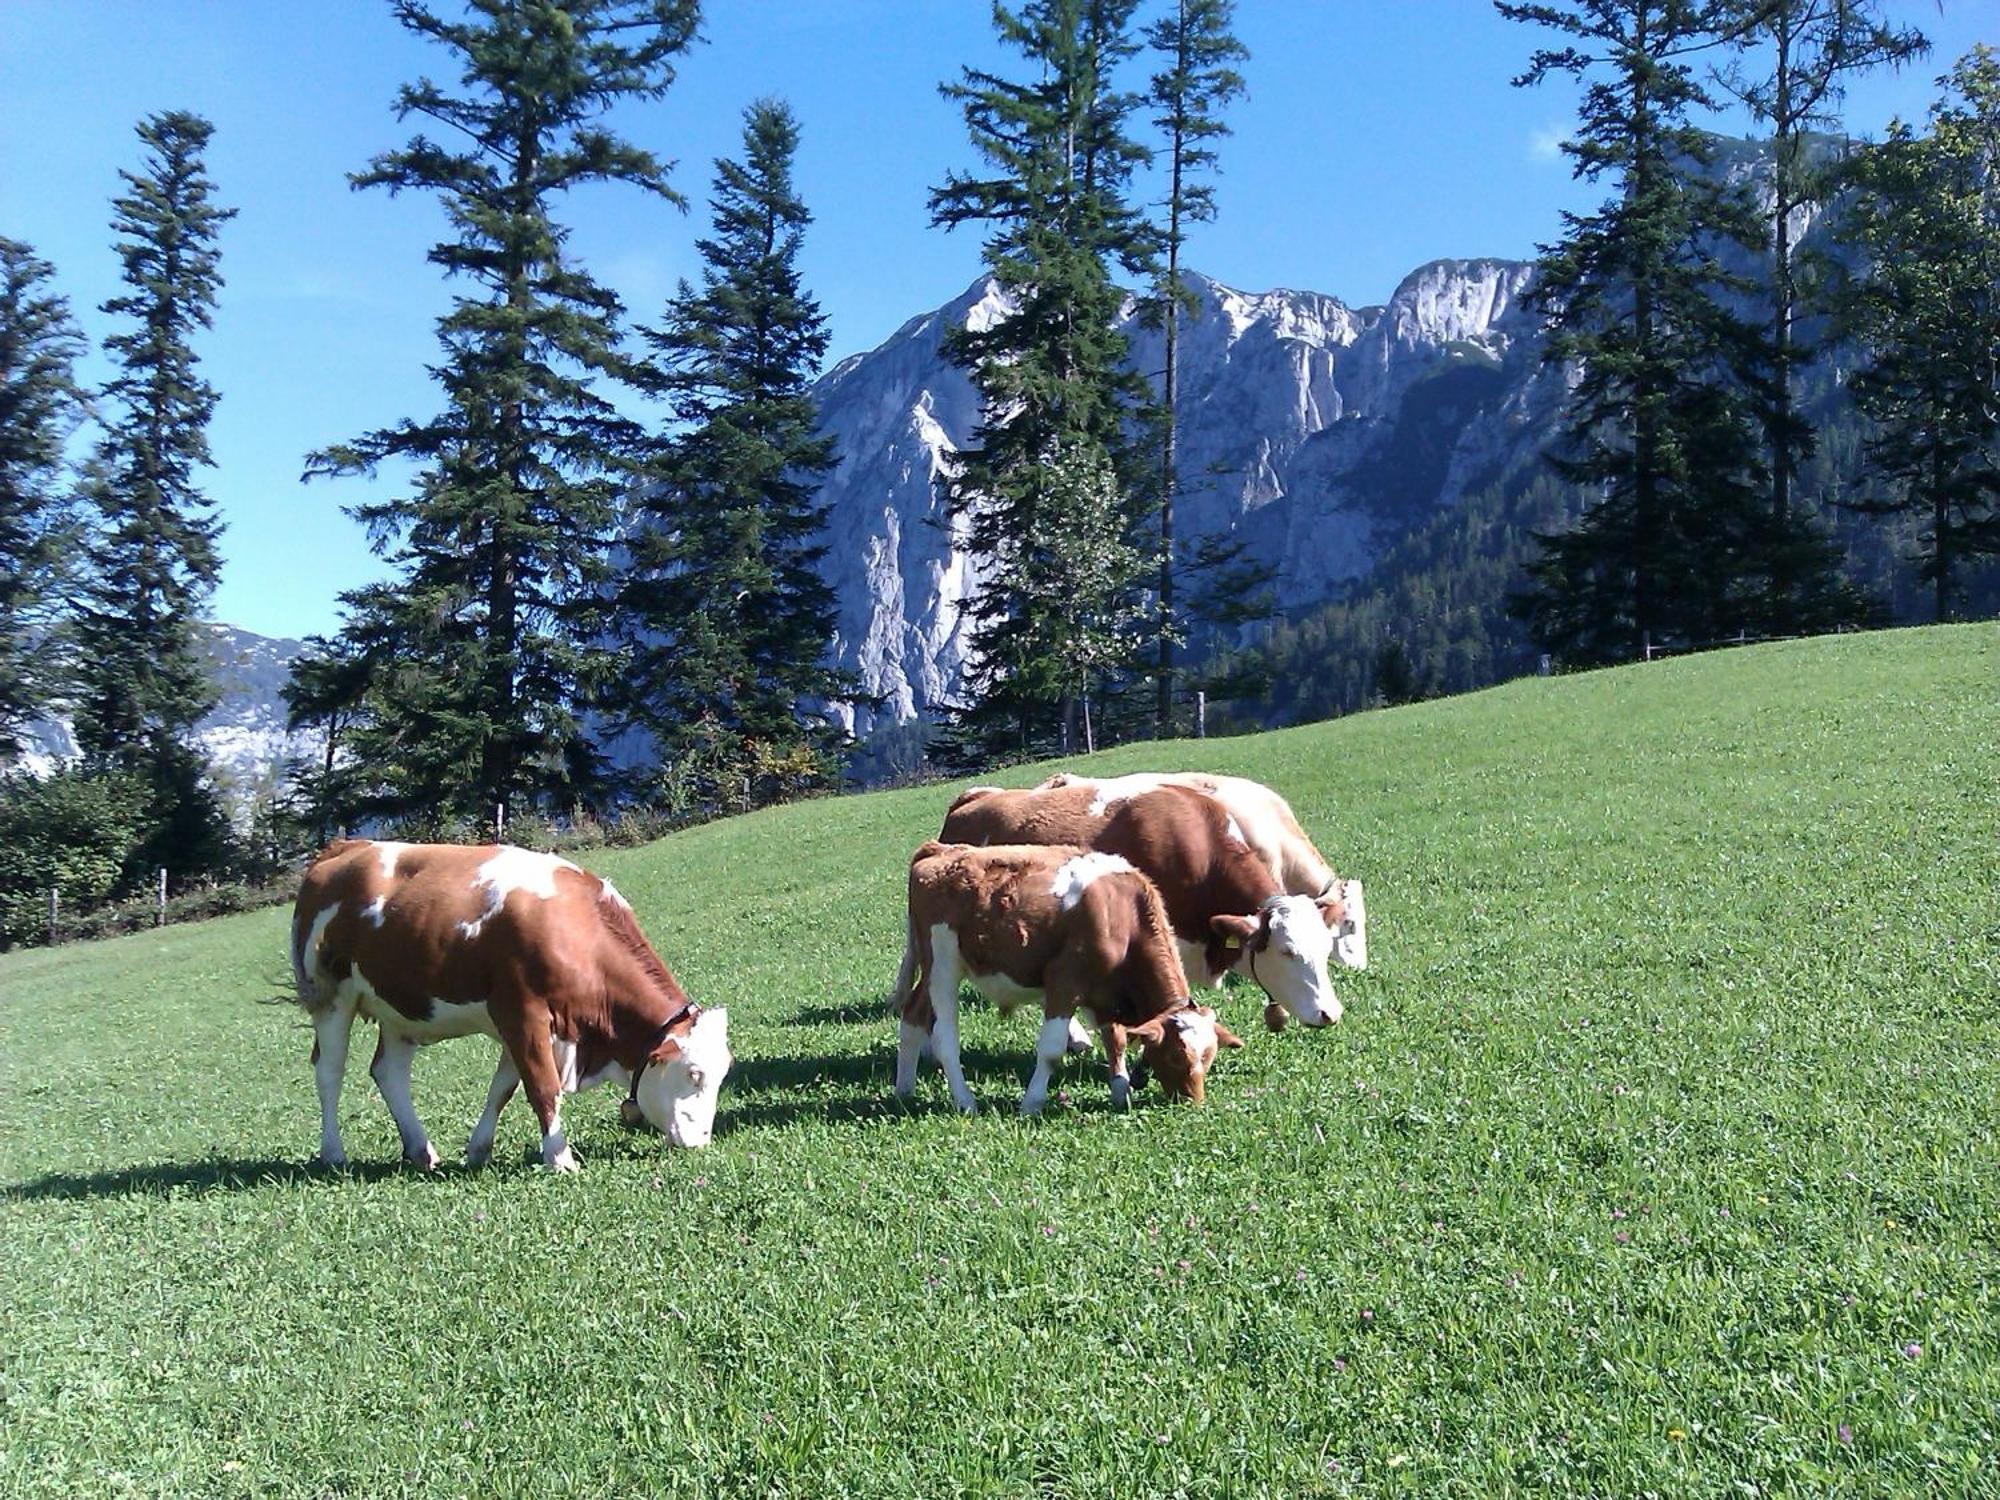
x: 70, y: 830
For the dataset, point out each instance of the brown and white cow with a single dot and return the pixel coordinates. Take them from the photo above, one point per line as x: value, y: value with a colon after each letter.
x: 432, y: 941
x: 1268, y: 826
x: 1228, y: 910
x: 1084, y: 933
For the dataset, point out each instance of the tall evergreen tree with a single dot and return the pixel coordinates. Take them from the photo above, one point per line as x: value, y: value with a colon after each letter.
x: 722, y: 604
x: 1815, y: 46
x: 1058, y: 397
x: 40, y: 405
x: 1925, y: 306
x: 493, y: 627
x: 142, y: 678
x: 1679, y: 547
x: 1198, y: 49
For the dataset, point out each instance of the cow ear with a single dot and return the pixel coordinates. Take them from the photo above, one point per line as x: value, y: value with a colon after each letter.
x: 1154, y: 1030
x: 1332, y: 910
x: 1235, y: 928
x: 665, y: 1053
x: 1223, y: 1034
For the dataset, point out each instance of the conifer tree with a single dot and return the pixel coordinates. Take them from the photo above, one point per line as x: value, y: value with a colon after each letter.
x: 142, y: 678
x: 1815, y: 47
x: 1058, y: 398
x: 1679, y: 547
x: 722, y: 604
x: 491, y: 634
x: 1925, y: 307
x: 40, y: 405
x: 1197, y: 80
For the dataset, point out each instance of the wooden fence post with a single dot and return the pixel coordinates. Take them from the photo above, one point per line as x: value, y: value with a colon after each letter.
x: 160, y: 908
x: 53, y: 898
x: 1200, y: 714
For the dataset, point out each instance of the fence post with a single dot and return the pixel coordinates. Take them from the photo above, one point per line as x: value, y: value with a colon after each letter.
x: 1649, y: 645
x: 160, y: 906
x: 53, y: 890
x: 1200, y: 714
x: 499, y: 822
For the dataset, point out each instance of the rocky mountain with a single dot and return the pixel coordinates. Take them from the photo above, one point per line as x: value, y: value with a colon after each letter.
x: 244, y: 735
x: 1319, y: 432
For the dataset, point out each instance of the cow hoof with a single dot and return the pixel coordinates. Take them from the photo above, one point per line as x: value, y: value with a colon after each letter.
x: 333, y: 1162
x: 424, y: 1161
x: 565, y: 1163
x: 967, y: 1107
x: 1275, y: 1017
x: 476, y: 1157
x: 1121, y: 1094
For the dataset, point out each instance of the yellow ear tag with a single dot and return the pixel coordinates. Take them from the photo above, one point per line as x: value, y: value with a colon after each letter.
x: 1234, y: 942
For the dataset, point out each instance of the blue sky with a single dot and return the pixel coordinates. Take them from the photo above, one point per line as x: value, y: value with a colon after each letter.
x: 1377, y: 135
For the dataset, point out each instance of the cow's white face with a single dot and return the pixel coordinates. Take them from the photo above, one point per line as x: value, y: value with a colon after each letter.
x: 1350, y: 938
x: 678, y: 1091
x: 1289, y: 960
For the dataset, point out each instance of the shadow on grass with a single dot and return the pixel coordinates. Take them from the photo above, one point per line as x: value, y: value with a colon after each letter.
x: 198, y: 1178
x: 880, y: 1010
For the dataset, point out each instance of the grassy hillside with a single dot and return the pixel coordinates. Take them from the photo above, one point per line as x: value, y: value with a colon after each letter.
x: 1656, y: 1154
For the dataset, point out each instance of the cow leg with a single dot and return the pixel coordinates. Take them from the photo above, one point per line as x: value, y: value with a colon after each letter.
x: 944, y: 977
x: 1078, y: 1039
x: 391, y: 1072
x: 1114, y: 1054
x: 506, y: 1078
x: 1051, y: 1046
x: 329, y: 1055
x: 527, y: 1037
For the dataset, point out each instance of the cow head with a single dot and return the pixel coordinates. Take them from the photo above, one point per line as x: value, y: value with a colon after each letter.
x: 1180, y: 1048
x: 1284, y: 947
x: 683, y: 1076
x: 1350, y: 937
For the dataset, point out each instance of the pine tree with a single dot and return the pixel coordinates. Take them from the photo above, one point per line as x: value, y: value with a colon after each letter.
x: 1198, y: 48
x: 1815, y: 47
x: 1058, y: 397
x: 725, y: 612
x: 1678, y: 548
x: 40, y: 405
x: 492, y: 633
x: 1925, y: 218
x: 142, y: 678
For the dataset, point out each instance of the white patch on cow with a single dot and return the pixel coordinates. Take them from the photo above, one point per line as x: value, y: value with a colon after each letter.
x: 556, y: 1154
x: 305, y: 963
x: 1194, y: 960
x: 1198, y: 1031
x: 946, y: 967
x: 564, y: 1053
x: 1050, y: 1045
x: 389, y: 853
x: 679, y: 1096
x: 1114, y: 790
x: 1003, y: 991
x: 1234, y: 830
x: 510, y: 870
x: 447, y: 1019
x: 1079, y: 873
x: 609, y: 895
x: 375, y: 910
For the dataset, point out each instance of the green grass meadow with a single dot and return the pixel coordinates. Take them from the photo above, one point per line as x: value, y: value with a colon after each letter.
x: 1656, y: 1155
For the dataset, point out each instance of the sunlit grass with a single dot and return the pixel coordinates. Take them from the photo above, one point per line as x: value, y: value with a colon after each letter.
x: 1657, y: 1154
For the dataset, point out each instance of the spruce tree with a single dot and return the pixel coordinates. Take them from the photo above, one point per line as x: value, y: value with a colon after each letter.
x: 142, y: 679
x: 1678, y: 547
x: 40, y: 405
x: 1058, y: 397
x: 491, y: 635
x: 1925, y: 308
x: 1815, y: 47
x: 1198, y: 49
x: 722, y: 604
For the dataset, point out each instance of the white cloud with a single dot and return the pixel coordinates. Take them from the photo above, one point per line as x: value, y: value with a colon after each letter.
x: 1545, y: 143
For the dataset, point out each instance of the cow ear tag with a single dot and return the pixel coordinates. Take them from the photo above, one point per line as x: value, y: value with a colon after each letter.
x: 1232, y: 942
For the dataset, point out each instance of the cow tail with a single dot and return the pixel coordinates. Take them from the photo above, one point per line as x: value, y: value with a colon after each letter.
x: 906, y: 974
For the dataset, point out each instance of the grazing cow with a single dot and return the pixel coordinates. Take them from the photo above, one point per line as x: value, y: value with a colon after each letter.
x: 1085, y: 933
x: 1228, y: 910
x: 432, y: 941
x: 1269, y: 828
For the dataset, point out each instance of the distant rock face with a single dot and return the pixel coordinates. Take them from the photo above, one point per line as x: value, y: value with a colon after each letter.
x: 244, y: 735
x: 1316, y: 431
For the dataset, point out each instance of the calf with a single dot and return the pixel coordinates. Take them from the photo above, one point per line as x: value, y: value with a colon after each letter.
x: 1268, y: 827
x: 1085, y: 933
x: 1228, y: 910
x: 432, y: 941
